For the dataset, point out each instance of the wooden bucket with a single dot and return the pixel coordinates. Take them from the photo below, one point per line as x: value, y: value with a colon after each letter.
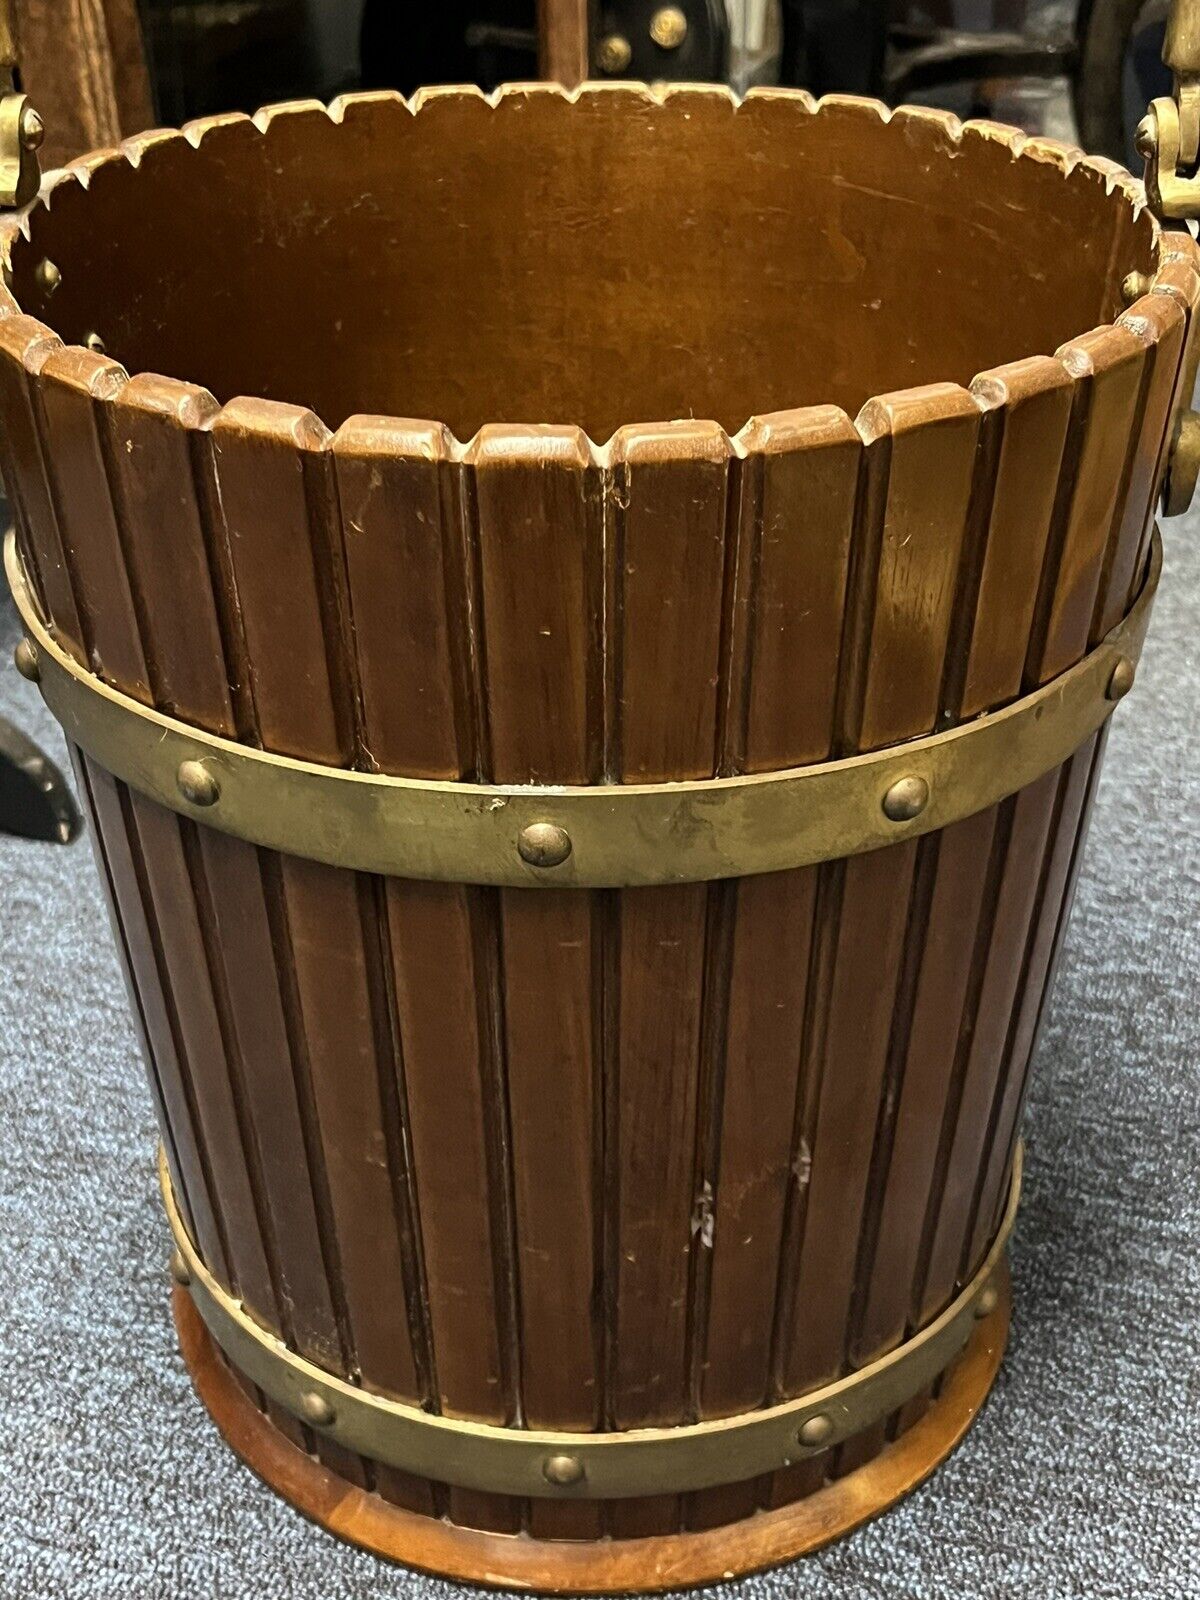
x: 589, y: 906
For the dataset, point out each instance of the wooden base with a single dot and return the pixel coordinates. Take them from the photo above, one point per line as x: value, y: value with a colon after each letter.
x: 671, y: 1561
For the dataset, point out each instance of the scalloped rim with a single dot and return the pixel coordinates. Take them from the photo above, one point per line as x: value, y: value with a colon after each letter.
x: 1176, y: 277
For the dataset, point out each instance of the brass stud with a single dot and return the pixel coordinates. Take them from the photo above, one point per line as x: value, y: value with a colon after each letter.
x: 987, y: 1302
x: 544, y: 844
x: 25, y: 659
x: 614, y: 53
x: 1121, y: 681
x: 48, y: 276
x: 317, y: 1409
x: 563, y: 1471
x: 1145, y: 140
x: 668, y: 27
x: 197, y: 784
x: 1134, y: 285
x: 179, y: 1269
x: 94, y: 343
x: 906, y: 799
x: 33, y: 129
x: 816, y: 1431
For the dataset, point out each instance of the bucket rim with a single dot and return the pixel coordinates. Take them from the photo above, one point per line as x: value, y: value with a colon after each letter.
x: 1174, y: 282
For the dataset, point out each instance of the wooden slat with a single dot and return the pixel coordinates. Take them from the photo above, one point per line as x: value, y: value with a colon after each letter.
x: 1025, y: 410
x: 1076, y: 555
x: 27, y: 347
x: 74, y: 386
x: 401, y: 516
x: 128, y: 574
x: 1108, y: 367
x: 211, y: 1049
x: 151, y: 436
x: 154, y: 1003
x: 1161, y: 325
x: 666, y: 539
x: 391, y: 478
x: 280, y: 555
x: 920, y: 456
x: 149, y: 432
x: 1066, y: 842
x: 73, y: 382
x: 47, y: 547
x: 1028, y: 406
x: 794, y: 518
x: 956, y: 902
x: 1027, y: 830
x: 539, y: 519
x: 912, y: 527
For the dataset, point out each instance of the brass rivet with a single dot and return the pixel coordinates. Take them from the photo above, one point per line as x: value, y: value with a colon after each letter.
x: 33, y: 129
x: 1145, y: 140
x: 94, y: 343
x: 179, y: 1269
x: 1121, y: 681
x: 317, y: 1410
x: 1134, y: 285
x: 197, y: 784
x: 816, y: 1431
x: 544, y: 844
x: 668, y: 27
x: 987, y: 1302
x: 562, y: 1470
x: 48, y: 276
x: 906, y: 799
x: 25, y: 659
x: 614, y: 53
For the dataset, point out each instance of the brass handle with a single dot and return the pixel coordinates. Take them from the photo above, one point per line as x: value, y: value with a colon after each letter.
x: 1168, y: 137
x: 21, y: 129
x: 1168, y: 140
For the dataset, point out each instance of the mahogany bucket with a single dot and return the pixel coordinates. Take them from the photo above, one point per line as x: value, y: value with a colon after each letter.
x: 589, y: 882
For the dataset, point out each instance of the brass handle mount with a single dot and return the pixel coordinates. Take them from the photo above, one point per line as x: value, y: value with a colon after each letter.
x: 21, y: 129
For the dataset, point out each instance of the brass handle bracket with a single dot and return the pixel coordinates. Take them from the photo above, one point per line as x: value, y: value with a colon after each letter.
x: 1168, y: 140
x: 21, y: 129
x: 1168, y: 136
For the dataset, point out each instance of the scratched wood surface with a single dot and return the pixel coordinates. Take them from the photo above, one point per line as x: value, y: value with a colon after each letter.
x: 597, y: 1159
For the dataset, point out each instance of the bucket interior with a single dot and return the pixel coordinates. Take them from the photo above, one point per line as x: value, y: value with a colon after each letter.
x: 629, y: 258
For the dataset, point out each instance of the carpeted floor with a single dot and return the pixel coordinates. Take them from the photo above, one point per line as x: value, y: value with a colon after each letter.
x: 1081, y: 1480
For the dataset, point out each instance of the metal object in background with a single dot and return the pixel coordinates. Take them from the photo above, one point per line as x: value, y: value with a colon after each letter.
x: 1118, y: 72
x: 920, y: 59
x: 644, y: 39
x: 35, y: 802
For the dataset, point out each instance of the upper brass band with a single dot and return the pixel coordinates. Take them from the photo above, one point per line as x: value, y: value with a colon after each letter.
x: 596, y: 836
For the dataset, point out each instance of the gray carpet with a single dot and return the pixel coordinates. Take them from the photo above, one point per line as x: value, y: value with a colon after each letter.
x: 1082, y: 1478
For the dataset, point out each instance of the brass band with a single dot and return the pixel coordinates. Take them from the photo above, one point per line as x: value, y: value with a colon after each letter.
x: 644, y: 1461
x: 601, y: 835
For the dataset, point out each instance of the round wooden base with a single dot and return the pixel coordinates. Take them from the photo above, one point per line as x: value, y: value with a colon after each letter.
x: 671, y: 1561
